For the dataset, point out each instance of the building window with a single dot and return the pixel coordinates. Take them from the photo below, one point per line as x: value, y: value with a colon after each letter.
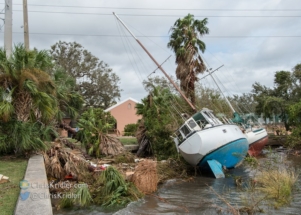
x: 129, y: 105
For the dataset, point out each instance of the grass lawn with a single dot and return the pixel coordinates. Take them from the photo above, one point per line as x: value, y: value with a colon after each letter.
x: 128, y: 140
x: 9, y: 192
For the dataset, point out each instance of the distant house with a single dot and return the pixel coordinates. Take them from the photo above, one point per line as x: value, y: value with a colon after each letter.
x: 125, y: 113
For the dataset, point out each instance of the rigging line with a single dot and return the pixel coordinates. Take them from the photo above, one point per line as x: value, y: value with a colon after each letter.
x: 164, y: 49
x: 172, y: 96
x: 161, y: 15
x: 136, y: 8
x: 244, y: 105
x: 141, y: 61
x: 168, y: 107
x: 217, y: 105
x: 212, y: 71
x: 212, y: 90
x: 220, y: 108
x: 147, y: 37
x: 129, y: 56
x: 225, y: 90
x: 125, y: 44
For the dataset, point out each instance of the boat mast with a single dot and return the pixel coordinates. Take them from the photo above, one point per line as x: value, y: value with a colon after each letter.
x: 210, y: 73
x: 158, y: 65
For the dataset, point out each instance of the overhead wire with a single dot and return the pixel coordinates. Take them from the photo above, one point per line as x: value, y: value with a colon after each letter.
x: 164, y: 15
x: 141, y: 8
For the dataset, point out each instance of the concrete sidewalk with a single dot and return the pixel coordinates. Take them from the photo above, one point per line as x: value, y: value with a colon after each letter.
x: 34, y: 198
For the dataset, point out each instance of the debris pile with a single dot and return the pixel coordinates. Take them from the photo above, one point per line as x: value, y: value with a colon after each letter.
x: 145, y: 176
x: 62, y: 161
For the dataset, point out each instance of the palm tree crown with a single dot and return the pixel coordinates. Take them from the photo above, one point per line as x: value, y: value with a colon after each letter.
x: 26, y: 90
x: 185, y: 43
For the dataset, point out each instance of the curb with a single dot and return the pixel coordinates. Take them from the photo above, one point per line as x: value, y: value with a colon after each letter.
x: 35, y: 196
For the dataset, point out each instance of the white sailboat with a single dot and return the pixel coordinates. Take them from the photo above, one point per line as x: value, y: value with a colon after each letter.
x: 203, y: 140
x: 257, y: 136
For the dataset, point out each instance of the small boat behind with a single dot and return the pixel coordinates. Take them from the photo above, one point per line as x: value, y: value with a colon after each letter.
x: 258, y: 139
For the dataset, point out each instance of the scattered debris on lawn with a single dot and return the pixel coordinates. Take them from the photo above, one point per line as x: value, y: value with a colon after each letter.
x: 3, y: 179
x: 67, y: 164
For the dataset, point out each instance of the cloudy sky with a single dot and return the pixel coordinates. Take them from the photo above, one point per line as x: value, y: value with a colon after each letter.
x: 252, y: 39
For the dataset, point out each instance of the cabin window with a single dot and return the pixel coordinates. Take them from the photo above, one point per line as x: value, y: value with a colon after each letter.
x: 192, y: 124
x: 129, y: 105
x: 185, y: 130
x: 179, y: 136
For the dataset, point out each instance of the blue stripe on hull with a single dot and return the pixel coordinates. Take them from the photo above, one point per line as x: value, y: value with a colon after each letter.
x: 228, y: 155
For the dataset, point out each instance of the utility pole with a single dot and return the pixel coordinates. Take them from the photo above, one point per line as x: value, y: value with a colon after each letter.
x: 25, y: 19
x: 8, y: 33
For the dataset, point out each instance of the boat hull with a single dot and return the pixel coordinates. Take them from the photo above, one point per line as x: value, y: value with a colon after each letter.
x: 225, y: 144
x: 257, y: 139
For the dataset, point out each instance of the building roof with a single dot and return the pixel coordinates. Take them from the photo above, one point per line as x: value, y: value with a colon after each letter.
x: 121, y: 102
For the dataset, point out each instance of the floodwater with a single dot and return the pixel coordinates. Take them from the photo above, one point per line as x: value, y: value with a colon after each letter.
x: 203, y: 195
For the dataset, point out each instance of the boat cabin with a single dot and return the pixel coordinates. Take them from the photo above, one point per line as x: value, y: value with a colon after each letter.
x: 203, y: 119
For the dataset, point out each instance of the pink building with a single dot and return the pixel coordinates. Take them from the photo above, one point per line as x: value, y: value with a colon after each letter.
x: 125, y: 113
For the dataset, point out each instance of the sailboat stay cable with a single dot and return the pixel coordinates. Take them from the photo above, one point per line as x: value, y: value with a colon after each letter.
x: 127, y: 44
x: 216, y: 106
x: 129, y: 53
x: 191, y: 105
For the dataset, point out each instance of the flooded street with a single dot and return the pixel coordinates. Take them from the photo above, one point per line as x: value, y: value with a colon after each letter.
x: 202, y: 195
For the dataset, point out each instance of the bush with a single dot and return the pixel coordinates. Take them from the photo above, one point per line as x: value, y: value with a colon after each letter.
x: 23, y: 137
x: 130, y: 129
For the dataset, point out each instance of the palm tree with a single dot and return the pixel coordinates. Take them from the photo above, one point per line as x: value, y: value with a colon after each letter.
x: 27, y: 91
x: 27, y: 100
x: 185, y: 43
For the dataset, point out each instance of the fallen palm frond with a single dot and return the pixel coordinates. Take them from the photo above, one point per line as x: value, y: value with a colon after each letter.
x: 80, y: 197
x: 114, y: 190
x: 109, y: 145
x: 145, y: 176
x: 61, y: 161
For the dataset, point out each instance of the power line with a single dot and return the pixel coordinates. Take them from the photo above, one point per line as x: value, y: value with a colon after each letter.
x: 115, y: 35
x: 156, y: 15
x: 135, y: 8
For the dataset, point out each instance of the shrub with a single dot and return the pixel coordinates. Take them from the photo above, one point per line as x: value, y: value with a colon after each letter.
x: 130, y: 129
x: 278, y: 185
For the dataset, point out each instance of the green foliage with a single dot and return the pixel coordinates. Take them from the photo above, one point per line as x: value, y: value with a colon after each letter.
x: 31, y: 100
x: 251, y: 161
x: 130, y: 129
x: 79, y: 197
x: 69, y: 101
x: 96, y: 82
x: 95, y: 124
x: 159, y: 122
x: 278, y: 100
x: 27, y: 91
x: 114, y: 190
x: 22, y: 137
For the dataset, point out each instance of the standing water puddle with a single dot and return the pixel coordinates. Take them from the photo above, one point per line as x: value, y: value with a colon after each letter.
x: 199, y: 196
